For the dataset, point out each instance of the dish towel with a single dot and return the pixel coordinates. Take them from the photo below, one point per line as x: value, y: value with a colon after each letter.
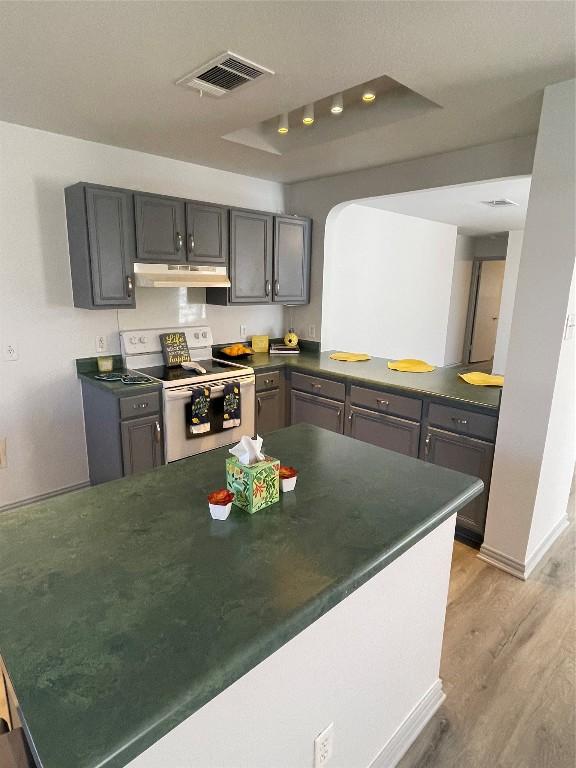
x: 231, y: 416
x: 197, y: 416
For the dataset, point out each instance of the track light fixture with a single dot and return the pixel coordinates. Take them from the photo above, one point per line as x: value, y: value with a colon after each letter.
x: 283, y: 123
x: 337, y: 104
x: 308, y: 117
x: 368, y: 97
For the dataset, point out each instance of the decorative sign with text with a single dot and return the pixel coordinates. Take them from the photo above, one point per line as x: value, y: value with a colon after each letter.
x: 174, y: 348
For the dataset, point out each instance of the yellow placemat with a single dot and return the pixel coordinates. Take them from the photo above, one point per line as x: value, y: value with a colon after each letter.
x: 349, y: 357
x: 480, y: 379
x: 410, y: 366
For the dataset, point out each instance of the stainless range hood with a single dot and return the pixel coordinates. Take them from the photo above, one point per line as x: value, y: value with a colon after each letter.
x: 180, y: 276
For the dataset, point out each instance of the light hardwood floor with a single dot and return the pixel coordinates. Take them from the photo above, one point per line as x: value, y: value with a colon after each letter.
x: 508, y: 667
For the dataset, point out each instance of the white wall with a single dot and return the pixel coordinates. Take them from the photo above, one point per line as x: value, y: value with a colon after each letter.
x: 41, y: 412
x: 535, y: 451
x: 459, y: 299
x: 317, y: 197
x: 365, y: 666
x: 387, y: 284
x: 513, y: 253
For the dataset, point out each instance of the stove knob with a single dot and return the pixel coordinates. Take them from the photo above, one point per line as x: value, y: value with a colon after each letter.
x: 196, y: 335
x: 204, y: 335
x: 142, y: 339
x: 133, y: 340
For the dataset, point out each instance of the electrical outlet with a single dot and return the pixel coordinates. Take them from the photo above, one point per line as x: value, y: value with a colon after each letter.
x: 3, y: 454
x: 10, y: 352
x: 100, y: 344
x: 324, y: 746
x: 242, y: 331
x: 312, y: 331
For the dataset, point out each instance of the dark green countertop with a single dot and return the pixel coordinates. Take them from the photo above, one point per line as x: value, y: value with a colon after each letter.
x: 117, y: 388
x: 440, y: 383
x: 124, y: 608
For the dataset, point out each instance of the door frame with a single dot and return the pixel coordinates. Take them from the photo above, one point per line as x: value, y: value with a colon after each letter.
x: 472, y: 306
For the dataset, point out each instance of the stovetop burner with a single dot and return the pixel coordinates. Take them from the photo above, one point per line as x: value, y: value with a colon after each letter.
x: 163, y: 373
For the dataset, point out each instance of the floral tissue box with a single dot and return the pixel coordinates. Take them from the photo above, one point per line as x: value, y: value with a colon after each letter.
x: 255, y: 486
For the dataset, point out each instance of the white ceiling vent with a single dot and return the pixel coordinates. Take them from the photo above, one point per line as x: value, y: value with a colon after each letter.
x: 224, y: 74
x: 500, y: 203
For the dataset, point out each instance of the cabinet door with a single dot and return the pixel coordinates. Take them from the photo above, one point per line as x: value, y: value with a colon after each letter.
x: 160, y: 229
x: 291, y: 260
x: 250, y: 257
x: 468, y: 455
x: 269, y: 411
x: 111, y: 246
x: 141, y: 444
x: 320, y: 411
x: 389, y: 432
x: 206, y: 234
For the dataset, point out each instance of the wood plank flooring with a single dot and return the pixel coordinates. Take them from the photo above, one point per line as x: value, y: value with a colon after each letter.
x: 508, y: 667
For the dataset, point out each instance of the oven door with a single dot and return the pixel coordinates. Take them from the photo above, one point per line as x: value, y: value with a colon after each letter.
x: 178, y: 445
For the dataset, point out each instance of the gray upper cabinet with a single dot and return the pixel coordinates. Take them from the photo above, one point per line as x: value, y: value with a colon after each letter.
x: 291, y: 260
x: 160, y: 229
x: 206, y: 234
x: 385, y: 431
x: 100, y: 224
x: 468, y: 455
x: 251, y: 238
x: 320, y: 411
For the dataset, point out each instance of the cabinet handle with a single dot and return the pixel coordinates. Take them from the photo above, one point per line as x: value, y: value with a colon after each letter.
x: 350, y: 416
x: 427, y: 445
x: 191, y: 244
x: 179, y: 241
x: 456, y: 420
x: 129, y: 286
x: 259, y: 404
x: 339, y: 413
x: 385, y: 403
x: 267, y: 287
x: 276, y: 287
x: 157, y: 432
x: 140, y: 405
x: 267, y: 381
x: 316, y: 386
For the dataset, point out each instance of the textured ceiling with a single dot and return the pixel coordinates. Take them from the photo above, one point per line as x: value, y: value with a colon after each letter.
x: 105, y: 71
x: 463, y: 206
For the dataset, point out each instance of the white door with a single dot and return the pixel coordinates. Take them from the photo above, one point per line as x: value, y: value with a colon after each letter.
x: 487, y: 310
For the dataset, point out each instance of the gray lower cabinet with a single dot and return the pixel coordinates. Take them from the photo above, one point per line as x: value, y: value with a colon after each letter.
x: 160, y: 229
x: 291, y: 260
x: 320, y: 411
x: 206, y: 234
x: 390, y: 432
x: 468, y: 455
x: 101, y: 244
x: 269, y: 411
x: 123, y: 434
x: 141, y: 444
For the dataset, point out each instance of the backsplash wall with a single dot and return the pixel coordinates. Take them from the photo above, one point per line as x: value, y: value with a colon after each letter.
x: 40, y: 398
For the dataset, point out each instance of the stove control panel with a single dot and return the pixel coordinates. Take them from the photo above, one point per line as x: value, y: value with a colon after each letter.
x: 147, y: 341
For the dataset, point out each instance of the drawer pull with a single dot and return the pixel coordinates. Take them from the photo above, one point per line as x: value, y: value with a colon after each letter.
x: 427, y: 445
x: 267, y: 381
x: 140, y: 405
x: 316, y: 386
x: 259, y: 404
x: 456, y: 420
x: 385, y: 403
x: 350, y: 416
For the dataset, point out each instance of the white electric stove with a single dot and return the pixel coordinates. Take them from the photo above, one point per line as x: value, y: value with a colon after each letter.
x: 142, y: 353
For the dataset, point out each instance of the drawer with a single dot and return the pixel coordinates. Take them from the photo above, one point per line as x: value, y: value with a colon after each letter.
x: 464, y: 422
x: 317, y: 386
x: 139, y: 405
x: 384, y: 402
x: 269, y: 380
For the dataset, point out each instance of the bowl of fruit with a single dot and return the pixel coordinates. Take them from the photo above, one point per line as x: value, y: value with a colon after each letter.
x: 236, y: 351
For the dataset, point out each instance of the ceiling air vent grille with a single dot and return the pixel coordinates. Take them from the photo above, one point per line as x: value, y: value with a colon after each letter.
x: 500, y: 203
x: 224, y: 74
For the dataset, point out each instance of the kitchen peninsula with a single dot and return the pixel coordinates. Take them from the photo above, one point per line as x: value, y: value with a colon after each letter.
x: 136, y: 630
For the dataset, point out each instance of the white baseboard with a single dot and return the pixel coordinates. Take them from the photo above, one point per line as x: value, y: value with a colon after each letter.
x: 522, y: 569
x: 43, y: 496
x: 409, y: 730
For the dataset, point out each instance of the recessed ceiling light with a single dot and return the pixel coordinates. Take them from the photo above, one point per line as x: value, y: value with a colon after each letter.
x: 283, y: 123
x: 368, y: 97
x: 337, y: 104
x: 499, y: 203
x: 308, y: 117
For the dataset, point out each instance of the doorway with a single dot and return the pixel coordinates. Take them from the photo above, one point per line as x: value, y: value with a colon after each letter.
x: 484, y: 310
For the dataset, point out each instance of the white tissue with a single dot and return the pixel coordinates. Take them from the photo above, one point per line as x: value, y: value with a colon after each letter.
x: 248, y: 451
